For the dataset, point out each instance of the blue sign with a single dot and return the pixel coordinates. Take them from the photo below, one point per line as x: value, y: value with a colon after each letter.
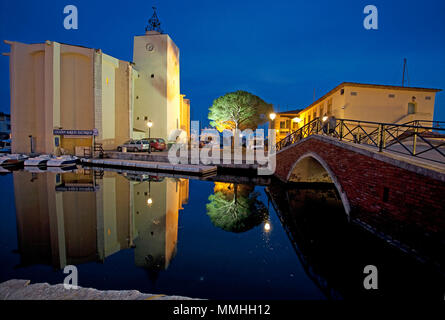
x: 60, y: 132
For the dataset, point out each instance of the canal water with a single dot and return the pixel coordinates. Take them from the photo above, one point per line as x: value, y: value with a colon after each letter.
x: 203, y: 239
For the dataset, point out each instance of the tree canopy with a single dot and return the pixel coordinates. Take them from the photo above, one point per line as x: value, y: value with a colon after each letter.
x: 239, y: 110
x: 235, y: 207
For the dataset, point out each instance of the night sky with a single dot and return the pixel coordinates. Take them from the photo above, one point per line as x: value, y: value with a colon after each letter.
x: 278, y: 50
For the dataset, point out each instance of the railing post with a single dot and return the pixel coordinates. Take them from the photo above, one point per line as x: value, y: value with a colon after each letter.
x: 415, y: 141
x: 381, y: 128
x: 341, y: 130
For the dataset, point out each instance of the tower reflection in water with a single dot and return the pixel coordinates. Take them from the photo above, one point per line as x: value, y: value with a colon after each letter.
x: 74, y: 218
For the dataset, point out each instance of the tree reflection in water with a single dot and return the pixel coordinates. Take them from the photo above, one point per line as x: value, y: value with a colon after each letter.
x: 235, y: 207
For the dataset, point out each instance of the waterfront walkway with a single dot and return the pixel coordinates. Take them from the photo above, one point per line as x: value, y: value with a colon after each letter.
x: 23, y: 290
x: 152, y: 165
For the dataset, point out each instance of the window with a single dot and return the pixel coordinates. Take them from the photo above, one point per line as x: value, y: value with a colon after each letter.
x: 145, y: 118
x: 287, y: 124
x: 282, y: 124
x: 411, y: 108
x: 427, y: 98
x: 137, y: 118
x: 152, y: 76
x: 391, y: 95
x: 342, y: 91
x: 353, y: 93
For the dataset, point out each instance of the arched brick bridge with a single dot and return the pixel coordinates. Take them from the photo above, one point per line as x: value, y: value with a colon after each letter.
x: 393, y: 195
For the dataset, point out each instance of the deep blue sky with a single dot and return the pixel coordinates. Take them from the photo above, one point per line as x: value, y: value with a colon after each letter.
x: 279, y: 50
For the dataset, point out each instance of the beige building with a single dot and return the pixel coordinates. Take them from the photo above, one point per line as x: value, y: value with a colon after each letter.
x: 366, y: 102
x: 65, y: 98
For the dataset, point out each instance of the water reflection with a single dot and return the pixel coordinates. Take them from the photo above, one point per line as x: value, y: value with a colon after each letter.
x: 85, y: 216
x: 334, y: 251
x: 234, y: 207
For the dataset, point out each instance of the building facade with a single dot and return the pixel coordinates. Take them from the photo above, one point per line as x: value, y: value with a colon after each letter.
x: 65, y: 98
x: 365, y: 102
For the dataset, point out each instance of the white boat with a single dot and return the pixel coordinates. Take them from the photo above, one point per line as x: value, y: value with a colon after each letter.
x: 64, y: 169
x: 11, y: 160
x: 34, y: 169
x: 4, y: 170
x: 62, y: 161
x: 38, y: 161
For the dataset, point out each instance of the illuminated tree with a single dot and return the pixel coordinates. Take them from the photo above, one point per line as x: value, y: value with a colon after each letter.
x: 235, y: 207
x: 239, y: 110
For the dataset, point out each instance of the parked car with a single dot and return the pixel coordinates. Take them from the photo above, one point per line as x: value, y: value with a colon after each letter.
x: 134, y: 146
x: 156, y: 144
x: 211, y: 143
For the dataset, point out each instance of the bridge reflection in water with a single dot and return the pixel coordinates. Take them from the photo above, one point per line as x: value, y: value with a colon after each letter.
x: 74, y: 218
x: 334, y: 251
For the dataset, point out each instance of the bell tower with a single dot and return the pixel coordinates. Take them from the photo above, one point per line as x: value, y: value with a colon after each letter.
x: 157, y: 89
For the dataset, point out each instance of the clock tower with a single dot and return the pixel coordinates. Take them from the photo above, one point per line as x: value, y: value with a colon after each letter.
x: 157, y: 88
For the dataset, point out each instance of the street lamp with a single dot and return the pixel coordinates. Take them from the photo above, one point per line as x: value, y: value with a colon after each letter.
x: 272, y: 116
x: 149, y: 125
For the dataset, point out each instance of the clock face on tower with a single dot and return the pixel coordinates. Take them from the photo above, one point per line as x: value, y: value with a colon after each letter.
x: 150, y: 47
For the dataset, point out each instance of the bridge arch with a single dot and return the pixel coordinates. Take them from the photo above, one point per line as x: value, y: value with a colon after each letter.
x: 310, y: 167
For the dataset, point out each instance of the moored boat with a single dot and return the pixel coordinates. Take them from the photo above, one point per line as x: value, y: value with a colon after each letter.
x: 63, y: 169
x: 38, y: 161
x: 62, y: 161
x: 11, y: 160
